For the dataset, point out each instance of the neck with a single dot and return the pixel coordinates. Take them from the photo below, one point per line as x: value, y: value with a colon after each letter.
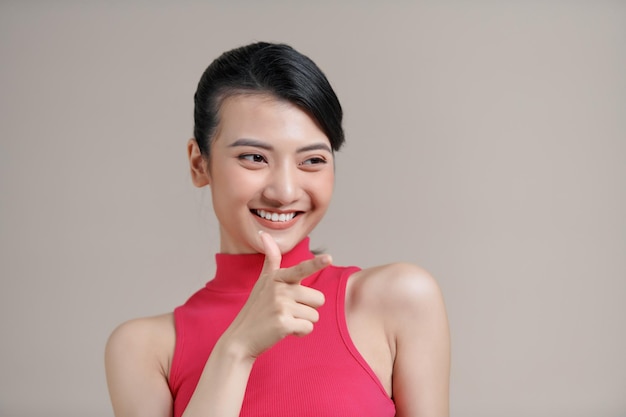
x: 239, y: 272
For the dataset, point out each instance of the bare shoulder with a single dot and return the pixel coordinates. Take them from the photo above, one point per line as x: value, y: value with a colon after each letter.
x: 137, y: 361
x: 148, y: 335
x: 397, y: 286
x: 410, y: 304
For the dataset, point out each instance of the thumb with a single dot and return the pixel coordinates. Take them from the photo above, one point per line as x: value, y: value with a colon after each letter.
x: 272, y: 253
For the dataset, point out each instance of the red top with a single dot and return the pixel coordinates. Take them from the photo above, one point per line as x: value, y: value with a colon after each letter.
x: 321, y: 374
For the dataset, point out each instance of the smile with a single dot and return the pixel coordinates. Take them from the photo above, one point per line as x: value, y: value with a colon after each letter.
x: 274, y: 217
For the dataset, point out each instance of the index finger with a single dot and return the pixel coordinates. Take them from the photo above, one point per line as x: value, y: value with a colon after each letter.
x: 297, y: 273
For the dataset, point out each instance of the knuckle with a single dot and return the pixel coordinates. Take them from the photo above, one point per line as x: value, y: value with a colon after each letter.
x: 283, y: 320
x: 300, y: 270
x: 307, y: 268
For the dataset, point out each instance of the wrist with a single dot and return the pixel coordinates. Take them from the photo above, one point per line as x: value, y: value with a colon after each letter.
x: 233, y: 352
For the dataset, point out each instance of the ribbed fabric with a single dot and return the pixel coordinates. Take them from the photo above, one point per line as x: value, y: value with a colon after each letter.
x: 321, y: 374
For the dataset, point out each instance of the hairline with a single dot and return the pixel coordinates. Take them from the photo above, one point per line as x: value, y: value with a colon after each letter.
x: 228, y: 92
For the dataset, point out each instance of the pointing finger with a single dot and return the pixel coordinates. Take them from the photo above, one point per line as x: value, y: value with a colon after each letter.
x: 297, y: 273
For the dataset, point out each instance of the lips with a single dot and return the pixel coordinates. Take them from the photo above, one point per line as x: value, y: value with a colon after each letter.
x: 275, y: 216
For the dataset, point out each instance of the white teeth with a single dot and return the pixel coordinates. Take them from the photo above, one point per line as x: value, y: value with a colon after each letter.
x: 275, y: 217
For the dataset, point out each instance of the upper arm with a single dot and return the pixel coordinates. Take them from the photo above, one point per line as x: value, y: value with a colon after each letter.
x: 418, y: 319
x: 137, y: 366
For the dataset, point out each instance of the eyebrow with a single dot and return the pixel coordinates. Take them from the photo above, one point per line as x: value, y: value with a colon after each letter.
x: 264, y: 145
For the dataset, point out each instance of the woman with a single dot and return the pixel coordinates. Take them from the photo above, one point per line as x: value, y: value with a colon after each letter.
x: 280, y: 331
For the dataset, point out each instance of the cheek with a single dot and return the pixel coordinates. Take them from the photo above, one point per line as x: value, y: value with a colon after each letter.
x: 324, y: 190
x: 235, y: 187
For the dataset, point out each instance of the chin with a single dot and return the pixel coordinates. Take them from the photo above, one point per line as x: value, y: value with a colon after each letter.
x: 287, y: 243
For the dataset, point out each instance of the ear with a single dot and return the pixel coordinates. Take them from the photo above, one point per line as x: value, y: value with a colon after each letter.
x: 199, y: 168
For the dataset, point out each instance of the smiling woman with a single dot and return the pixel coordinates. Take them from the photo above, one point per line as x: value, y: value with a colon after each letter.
x: 270, y: 169
x: 371, y: 342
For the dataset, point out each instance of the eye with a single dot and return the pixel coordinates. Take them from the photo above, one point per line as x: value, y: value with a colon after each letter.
x: 316, y: 160
x: 253, y: 157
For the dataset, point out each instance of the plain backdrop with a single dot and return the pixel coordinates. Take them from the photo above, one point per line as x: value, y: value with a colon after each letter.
x: 486, y: 141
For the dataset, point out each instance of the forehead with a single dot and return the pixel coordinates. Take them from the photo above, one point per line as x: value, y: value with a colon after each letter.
x: 265, y: 117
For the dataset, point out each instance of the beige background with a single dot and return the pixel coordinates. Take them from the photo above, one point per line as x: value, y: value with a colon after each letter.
x: 486, y: 142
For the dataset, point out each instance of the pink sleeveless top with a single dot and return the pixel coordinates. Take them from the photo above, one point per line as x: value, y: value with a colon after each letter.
x: 321, y: 374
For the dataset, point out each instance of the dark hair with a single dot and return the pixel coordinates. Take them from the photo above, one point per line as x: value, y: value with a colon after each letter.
x: 275, y: 69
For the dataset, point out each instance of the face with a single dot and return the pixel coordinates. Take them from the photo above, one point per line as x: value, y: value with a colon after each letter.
x: 271, y: 168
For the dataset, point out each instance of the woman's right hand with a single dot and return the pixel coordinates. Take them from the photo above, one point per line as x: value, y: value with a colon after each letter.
x: 278, y: 304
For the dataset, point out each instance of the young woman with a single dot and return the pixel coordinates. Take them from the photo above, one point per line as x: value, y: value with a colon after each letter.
x: 280, y: 331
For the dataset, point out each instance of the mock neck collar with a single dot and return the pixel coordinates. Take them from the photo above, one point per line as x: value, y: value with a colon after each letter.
x: 239, y: 272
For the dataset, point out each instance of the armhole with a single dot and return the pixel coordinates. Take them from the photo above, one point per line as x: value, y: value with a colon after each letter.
x: 179, y: 329
x: 343, y: 328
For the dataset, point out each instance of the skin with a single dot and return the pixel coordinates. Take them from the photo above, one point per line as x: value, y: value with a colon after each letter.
x: 268, y: 154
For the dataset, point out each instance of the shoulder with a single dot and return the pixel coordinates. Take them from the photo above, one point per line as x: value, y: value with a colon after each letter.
x: 144, y: 330
x: 403, y: 296
x: 137, y: 360
x: 410, y: 306
x: 399, y: 285
x: 150, y: 338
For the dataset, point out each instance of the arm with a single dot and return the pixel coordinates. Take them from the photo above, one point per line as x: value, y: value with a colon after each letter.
x: 278, y: 306
x: 418, y: 319
x: 137, y: 359
x: 136, y: 367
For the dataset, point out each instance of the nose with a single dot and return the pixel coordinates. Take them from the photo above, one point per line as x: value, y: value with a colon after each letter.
x: 283, y: 186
